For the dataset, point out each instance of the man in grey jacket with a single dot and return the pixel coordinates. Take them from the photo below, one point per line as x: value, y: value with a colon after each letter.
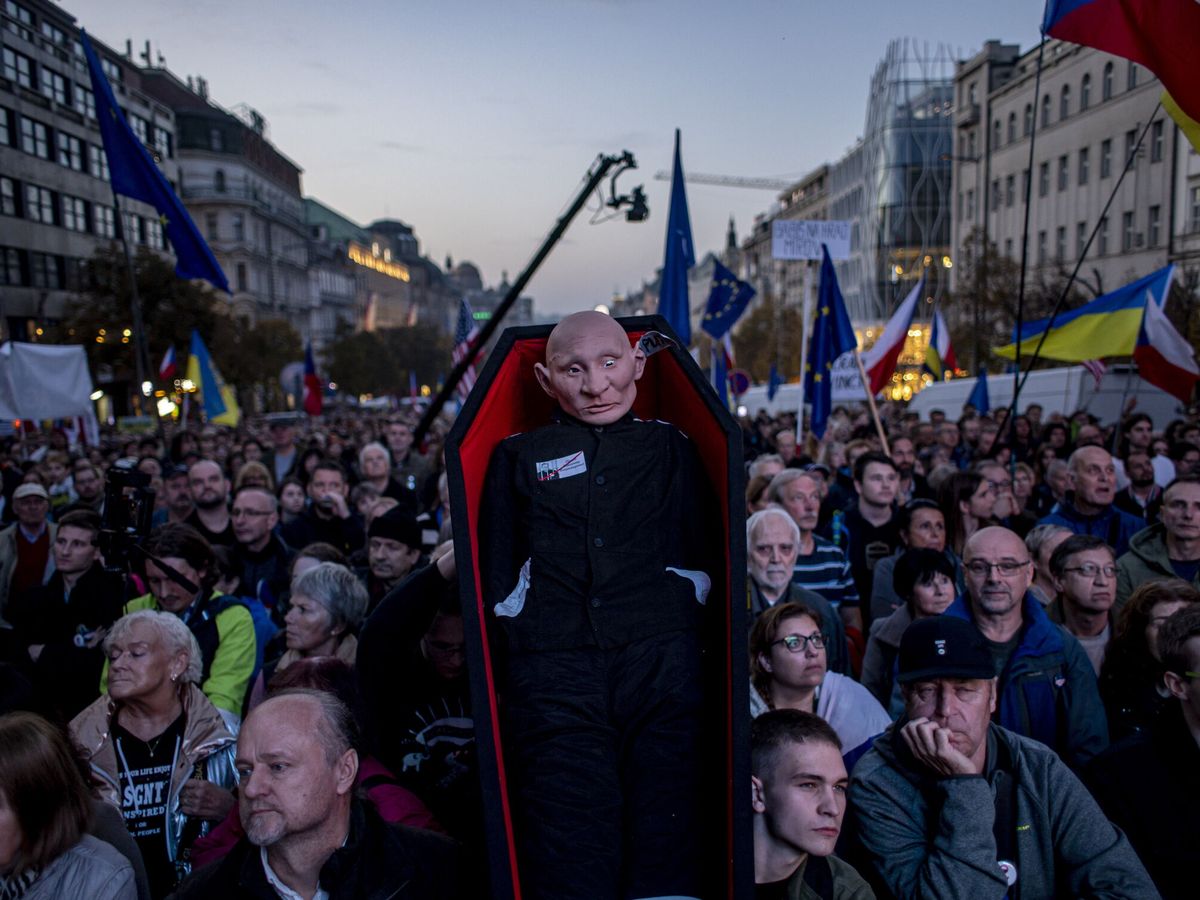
x: 947, y: 804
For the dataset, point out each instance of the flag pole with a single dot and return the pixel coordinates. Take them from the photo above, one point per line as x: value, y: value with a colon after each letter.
x: 805, y: 315
x: 871, y: 402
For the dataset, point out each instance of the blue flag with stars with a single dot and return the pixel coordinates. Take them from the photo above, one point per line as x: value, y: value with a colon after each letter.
x: 832, y: 335
x: 678, y: 257
x: 726, y: 301
x: 134, y: 174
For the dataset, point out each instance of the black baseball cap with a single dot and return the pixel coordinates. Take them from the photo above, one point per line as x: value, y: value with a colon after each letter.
x: 943, y: 647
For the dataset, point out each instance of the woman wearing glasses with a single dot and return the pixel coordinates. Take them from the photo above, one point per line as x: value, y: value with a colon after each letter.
x: 788, y: 670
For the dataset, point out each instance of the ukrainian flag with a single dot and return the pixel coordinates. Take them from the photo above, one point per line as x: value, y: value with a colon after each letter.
x: 1189, y: 126
x: 220, y: 401
x: 1108, y: 326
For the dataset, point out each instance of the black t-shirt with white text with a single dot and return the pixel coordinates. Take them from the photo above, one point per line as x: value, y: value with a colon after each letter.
x: 144, y: 770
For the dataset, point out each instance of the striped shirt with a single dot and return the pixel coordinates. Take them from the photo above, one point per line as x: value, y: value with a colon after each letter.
x: 827, y: 572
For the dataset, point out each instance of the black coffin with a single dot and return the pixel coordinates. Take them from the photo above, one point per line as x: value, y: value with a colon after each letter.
x: 507, y: 400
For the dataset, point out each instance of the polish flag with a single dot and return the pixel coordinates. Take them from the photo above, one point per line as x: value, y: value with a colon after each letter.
x: 1163, y: 356
x: 880, y: 361
x: 166, y: 369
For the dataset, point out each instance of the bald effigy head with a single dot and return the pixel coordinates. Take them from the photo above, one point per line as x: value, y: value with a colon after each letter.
x: 591, y: 370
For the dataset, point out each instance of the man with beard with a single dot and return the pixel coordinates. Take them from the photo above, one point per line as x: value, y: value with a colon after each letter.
x: 307, y: 835
x: 1141, y: 497
x: 772, y: 545
x: 1046, y: 688
x: 912, y: 483
x: 1137, y: 432
x: 177, y: 498
x: 1170, y: 549
x: 210, y: 492
x: 1088, y: 507
x: 89, y: 487
x: 1085, y: 573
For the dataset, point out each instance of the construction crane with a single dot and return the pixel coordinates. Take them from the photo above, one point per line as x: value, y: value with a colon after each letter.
x: 761, y: 184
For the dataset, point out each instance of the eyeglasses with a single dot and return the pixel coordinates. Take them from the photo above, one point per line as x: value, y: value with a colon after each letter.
x: 252, y: 513
x: 1091, y: 570
x: 999, y: 486
x: 982, y: 568
x: 796, y: 643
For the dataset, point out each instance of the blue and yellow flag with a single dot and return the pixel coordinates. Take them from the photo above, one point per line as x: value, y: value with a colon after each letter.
x: 1108, y: 326
x: 134, y: 174
x: 832, y: 335
x: 220, y: 402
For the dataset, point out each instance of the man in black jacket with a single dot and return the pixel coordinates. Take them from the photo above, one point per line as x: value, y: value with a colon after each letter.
x: 305, y: 832
x: 262, y: 559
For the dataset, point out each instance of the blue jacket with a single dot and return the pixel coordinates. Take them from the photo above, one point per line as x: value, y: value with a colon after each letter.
x: 1114, y: 526
x: 1048, y: 689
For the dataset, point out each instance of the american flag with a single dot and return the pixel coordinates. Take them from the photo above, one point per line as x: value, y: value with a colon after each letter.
x: 1097, y: 368
x: 465, y: 333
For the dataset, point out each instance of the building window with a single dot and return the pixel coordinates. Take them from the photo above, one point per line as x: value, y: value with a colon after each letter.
x: 1106, y: 86
x: 5, y: 130
x: 8, y: 196
x: 994, y: 197
x: 239, y: 227
x: 1127, y: 234
x: 18, y: 68
x: 1012, y: 127
x: 1156, y: 141
x: 35, y: 138
x: 140, y: 128
x: 1046, y: 111
x: 98, y: 162
x: 154, y: 234
x: 1008, y: 247
x: 1131, y: 76
x: 1064, y: 102
x: 70, y: 151
x: 1195, y: 209
x: 39, y: 204
x: 1085, y: 92
x: 53, y: 33
x: 1044, y: 179
x: 1060, y: 243
x: 971, y: 204
x: 1024, y: 183
x: 1102, y: 246
x: 10, y: 267
x: 1130, y: 144
x: 216, y: 141
x: 996, y: 132
x: 241, y: 276
x: 1028, y: 125
x: 112, y: 70
x: 1106, y: 158
x: 20, y: 19
x: 104, y: 223
x: 1010, y: 190
x: 162, y: 143
x: 45, y: 271
x: 1084, y: 163
x: 210, y: 226
x: 219, y: 180
x: 85, y: 102
x: 74, y: 213
x: 971, y: 143
x: 1041, y: 248
x: 54, y: 86
x: 1081, y: 236
x: 1153, y: 224
x: 1063, y: 172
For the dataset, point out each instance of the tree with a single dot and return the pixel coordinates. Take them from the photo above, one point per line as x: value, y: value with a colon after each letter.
x: 171, y: 308
x: 379, y: 362
x: 766, y: 335
x: 252, y: 356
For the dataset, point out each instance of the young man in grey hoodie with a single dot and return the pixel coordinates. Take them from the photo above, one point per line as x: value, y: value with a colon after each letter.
x: 947, y: 804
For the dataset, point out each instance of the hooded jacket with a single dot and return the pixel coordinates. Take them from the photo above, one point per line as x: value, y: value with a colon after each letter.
x: 1147, y: 560
x: 928, y: 836
x: 206, y: 741
x: 1048, y: 689
x: 1112, y: 525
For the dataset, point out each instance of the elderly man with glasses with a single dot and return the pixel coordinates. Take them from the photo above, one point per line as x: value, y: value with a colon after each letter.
x: 1046, y: 686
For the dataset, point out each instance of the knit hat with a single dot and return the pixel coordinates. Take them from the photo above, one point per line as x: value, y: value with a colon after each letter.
x: 398, y: 526
x: 943, y: 647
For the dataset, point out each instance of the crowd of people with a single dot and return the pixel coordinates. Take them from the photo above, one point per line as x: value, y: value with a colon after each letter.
x: 974, y: 662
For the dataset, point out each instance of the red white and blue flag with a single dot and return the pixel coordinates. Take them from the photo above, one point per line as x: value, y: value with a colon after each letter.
x: 465, y: 333
x: 1162, y: 35
x: 167, y: 368
x: 1163, y: 356
x: 312, y: 384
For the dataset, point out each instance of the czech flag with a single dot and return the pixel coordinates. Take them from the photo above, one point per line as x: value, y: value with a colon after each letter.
x: 167, y: 368
x: 1163, y: 356
x: 880, y: 361
x: 312, y: 384
x: 1162, y: 35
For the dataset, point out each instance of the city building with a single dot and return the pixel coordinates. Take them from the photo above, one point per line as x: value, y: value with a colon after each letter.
x: 1085, y: 123
x: 465, y: 280
x: 56, y: 204
x: 338, y: 286
x: 245, y: 197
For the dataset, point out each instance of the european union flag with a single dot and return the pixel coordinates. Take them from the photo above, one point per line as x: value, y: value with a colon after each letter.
x: 979, y: 396
x: 134, y: 174
x: 679, y: 256
x: 774, y: 381
x: 832, y: 335
x: 726, y: 301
